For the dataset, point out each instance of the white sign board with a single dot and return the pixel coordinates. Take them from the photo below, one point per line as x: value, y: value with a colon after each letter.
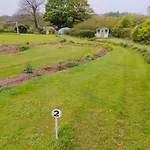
x: 56, y: 113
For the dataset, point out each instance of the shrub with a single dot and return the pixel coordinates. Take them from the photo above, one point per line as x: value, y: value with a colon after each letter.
x: 108, y: 46
x: 2, y: 30
x: 28, y: 69
x: 27, y: 26
x: 141, y: 33
x: 22, y: 29
x: 41, y: 30
x: 31, y: 31
x: 72, y: 64
x: 121, y: 32
x: 92, y: 39
x: 125, y: 22
x: 80, y: 33
x: 23, y: 48
x: 63, y: 40
x: 71, y: 41
x: 89, y: 57
x: 60, y: 68
x: 52, y: 30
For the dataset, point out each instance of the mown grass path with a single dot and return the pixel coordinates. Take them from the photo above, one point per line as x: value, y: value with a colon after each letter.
x: 106, y: 102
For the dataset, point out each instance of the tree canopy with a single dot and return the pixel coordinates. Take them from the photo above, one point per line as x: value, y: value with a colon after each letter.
x: 30, y: 8
x: 62, y: 13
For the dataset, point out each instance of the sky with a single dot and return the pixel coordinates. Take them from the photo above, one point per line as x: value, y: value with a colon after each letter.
x: 9, y: 7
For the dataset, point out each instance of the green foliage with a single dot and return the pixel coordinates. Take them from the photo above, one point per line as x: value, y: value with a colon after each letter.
x: 60, y: 68
x: 71, y: 41
x: 27, y: 26
x: 97, y: 22
x: 41, y: 30
x: 141, y: 33
x: 125, y: 22
x: 28, y: 69
x: 89, y: 57
x: 23, y: 48
x: 92, y: 39
x: 72, y: 64
x: 123, y: 28
x: 63, y: 40
x: 22, y: 29
x: 107, y: 45
x: 121, y: 32
x: 67, y: 12
x: 148, y: 59
x: 115, y: 14
x: 80, y: 33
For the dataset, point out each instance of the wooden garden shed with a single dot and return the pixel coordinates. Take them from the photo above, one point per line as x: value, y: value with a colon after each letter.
x: 102, y: 32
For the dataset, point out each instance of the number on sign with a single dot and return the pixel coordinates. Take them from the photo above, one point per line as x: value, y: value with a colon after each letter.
x: 56, y: 113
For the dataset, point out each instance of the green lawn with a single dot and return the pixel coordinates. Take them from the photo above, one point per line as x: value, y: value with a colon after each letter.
x: 105, y: 105
x: 6, y: 39
x: 40, y: 57
x: 24, y: 38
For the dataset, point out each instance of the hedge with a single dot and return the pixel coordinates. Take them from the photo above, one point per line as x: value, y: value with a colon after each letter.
x: 80, y: 33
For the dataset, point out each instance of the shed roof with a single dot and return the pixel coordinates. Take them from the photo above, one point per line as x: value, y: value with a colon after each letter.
x: 102, y: 28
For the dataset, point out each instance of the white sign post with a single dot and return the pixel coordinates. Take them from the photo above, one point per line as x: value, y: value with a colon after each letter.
x: 56, y: 113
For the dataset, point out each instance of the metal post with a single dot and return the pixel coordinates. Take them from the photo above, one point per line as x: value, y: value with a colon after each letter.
x: 17, y: 27
x: 56, y: 126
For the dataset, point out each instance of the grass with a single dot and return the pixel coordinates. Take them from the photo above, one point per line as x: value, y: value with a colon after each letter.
x: 105, y: 105
x: 6, y: 39
x: 40, y: 57
x: 24, y: 38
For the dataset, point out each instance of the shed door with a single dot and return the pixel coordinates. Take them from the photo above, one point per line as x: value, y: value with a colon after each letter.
x: 102, y: 33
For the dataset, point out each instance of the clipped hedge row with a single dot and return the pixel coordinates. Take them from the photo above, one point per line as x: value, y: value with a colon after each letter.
x: 80, y: 33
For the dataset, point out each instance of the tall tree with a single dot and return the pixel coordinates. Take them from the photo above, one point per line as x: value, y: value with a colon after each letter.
x: 31, y: 8
x: 63, y: 13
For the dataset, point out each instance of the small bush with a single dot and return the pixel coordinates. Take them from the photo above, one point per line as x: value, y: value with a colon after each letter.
x: 72, y: 42
x: 143, y: 50
x: 27, y: 43
x: 92, y: 39
x: 89, y: 57
x: 72, y: 64
x: 41, y: 30
x: 108, y: 46
x: 60, y: 68
x: 63, y: 40
x: 121, y: 32
x: 28, y: 69
x: 23, y: 48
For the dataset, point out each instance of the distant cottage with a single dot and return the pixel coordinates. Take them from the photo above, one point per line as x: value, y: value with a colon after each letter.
x: 102, y: 33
